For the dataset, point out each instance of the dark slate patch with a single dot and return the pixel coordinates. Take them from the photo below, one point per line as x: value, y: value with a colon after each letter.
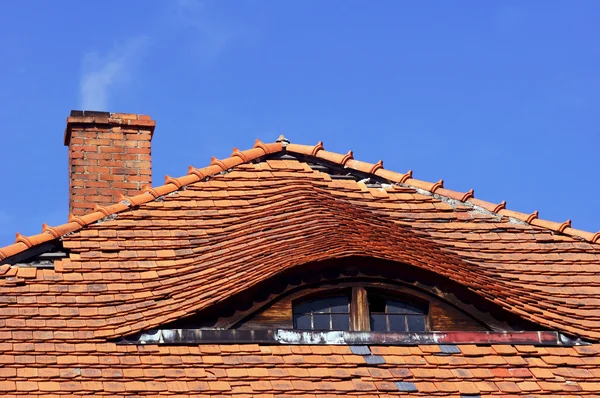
x: 360, y: 349
x: 406, y: 386
x: 449, y: 349
x: 374, y: 359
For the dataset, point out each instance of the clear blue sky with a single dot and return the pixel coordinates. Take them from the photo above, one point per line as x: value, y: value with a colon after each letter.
x: 502, y: 97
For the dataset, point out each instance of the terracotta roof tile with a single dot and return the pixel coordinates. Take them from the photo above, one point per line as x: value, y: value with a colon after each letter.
x: 207, y: 227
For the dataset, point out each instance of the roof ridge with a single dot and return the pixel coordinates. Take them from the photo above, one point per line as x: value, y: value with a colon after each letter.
x: 171, y: 185
x: 437, y: 188
x: 260, y: 149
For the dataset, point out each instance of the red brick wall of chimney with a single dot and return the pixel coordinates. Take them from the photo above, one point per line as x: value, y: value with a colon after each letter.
x: 109, y: 157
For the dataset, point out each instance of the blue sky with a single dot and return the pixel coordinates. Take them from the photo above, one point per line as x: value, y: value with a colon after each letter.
x: 502, y: 97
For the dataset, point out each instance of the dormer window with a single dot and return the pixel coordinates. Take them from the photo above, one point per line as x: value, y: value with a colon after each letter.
x: 363, y: 310
x: 328, y: 313
x: 393, y: 315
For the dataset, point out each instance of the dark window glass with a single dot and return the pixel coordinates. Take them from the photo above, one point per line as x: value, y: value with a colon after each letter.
x: 376, y: 304
x: 396, y: 307
x: 378, y: 323
x: 321, y: 321
x: 330, y: 313
x: 340, y: 322
x: 397, y: 323
x: 388, y: 315
x: 302, y: 321
x: 320, y: 306
x: 339, y: 305
x: 416, y: 323
x: 303, y: 308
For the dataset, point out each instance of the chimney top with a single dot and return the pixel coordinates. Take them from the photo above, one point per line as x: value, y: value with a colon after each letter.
x: 110, y: 156
x: 106, y: 119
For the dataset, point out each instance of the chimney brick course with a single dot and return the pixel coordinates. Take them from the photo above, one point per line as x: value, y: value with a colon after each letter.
x: 110, y: 156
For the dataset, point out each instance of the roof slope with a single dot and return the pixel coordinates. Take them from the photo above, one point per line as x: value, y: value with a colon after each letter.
x: 198, y: 239
x: 105, y: 369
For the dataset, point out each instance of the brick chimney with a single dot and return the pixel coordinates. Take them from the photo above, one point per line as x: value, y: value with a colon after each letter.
x: 109, y: 156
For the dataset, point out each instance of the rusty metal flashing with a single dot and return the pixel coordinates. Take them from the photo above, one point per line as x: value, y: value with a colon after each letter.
x: 298, y: 337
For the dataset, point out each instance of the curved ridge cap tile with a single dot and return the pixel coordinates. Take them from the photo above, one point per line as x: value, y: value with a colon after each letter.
x: 364, y: 167
x: 194, y: 171
x: 304, y: 149
x: 50, y: 231
x: 227, y: 163
x: 116, y: 208
x: 237, y: 153
x: 468, y: 195
x: 13, y: 249
x: 78, y: 220
x: 437, y: 185
x: 319, y: 147
x: 40, y: 238
x: 427, y: 186
x: 137, y: 200
x: 349, y: 156
x: 268, y: 148
x: 173, y: 181
x: 376, y: 166
x: 390, y: 175
x: 407, y: 176
x: 564, y: 225
x: 188, y: 179
x: 532, y: 216
x: 515, y: 214
x: 66, y: 228
x: 251, y: 154
x: 337, y: 158
x: 588, y: 236
x: 554, y: 226
x: 259, y: 144
x: 25, y: 240
x: 489, y: 206
x: 101, y: 209
x: 92, y: 217
x: 596, y: 237
x: 213, y: 170
x: 460, y: 196
x: 162, y: 190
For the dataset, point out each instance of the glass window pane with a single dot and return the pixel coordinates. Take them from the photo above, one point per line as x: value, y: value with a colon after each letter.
x: 339, y: 304
x: 321, y: 306
x: 397, y: 323
x: 340, y: 321
x: 414, y: 309
x: 378, y: 323
x: 416, y: 323
x: 396, y: 307
x: 376, y: 304
x: 321, y: 321
x: 302, y: 321
x: 303, y: 308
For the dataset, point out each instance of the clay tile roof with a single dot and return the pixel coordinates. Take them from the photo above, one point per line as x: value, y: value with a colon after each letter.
x: 193, y: 242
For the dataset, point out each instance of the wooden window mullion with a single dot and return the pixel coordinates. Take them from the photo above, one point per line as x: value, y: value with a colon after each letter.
x: 359, y: 310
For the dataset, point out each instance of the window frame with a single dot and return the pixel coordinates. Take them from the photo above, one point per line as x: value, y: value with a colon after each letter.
x: 313, y: 314
x: 360, y: 315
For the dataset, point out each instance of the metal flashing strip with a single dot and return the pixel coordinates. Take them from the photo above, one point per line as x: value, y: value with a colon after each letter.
x: 299, y: 337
